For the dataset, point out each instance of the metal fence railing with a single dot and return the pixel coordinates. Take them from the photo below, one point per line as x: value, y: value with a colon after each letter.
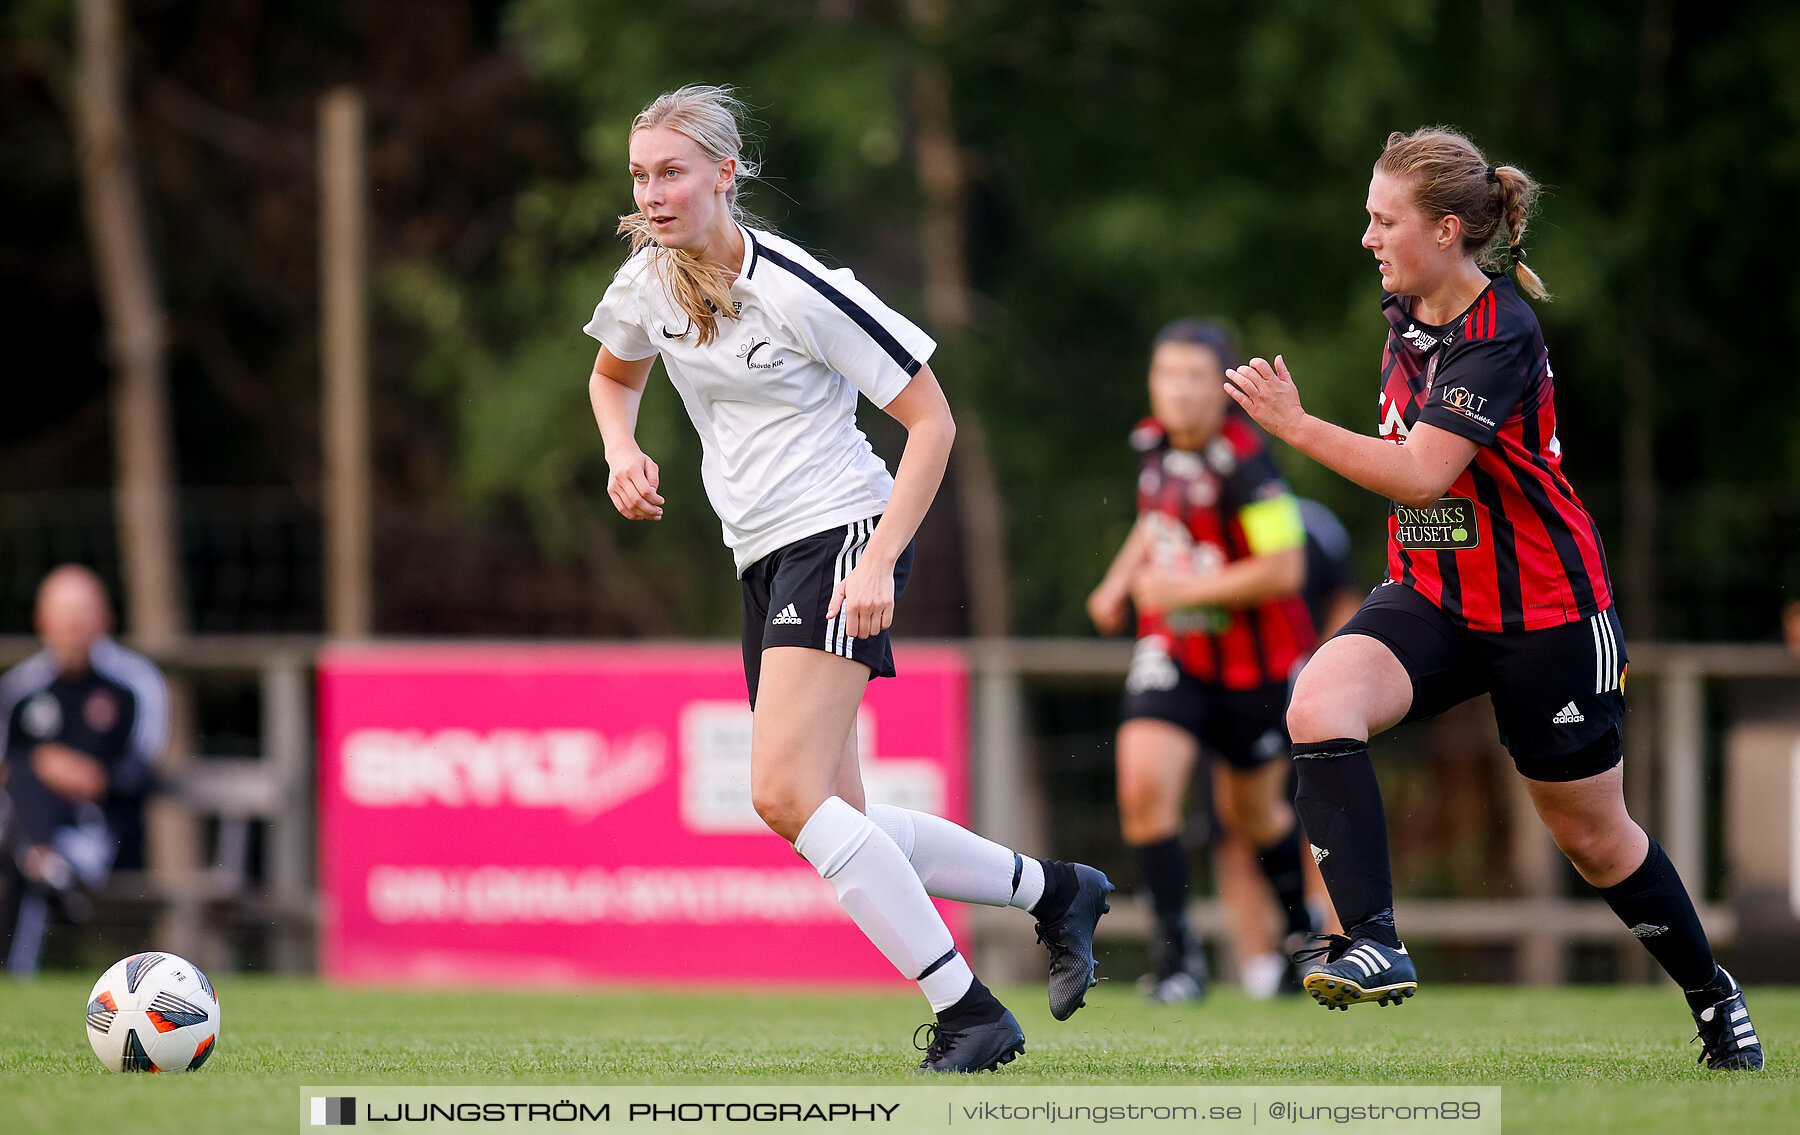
x: 265, y: 786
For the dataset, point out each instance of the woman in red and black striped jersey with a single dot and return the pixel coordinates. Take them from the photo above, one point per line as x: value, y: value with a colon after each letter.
x: 1215, y: 564
x: 1496, y: 584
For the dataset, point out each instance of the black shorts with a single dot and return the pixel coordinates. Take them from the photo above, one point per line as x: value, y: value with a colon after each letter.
x: 1246, y: 727
x: 787, y: 592
x: 1557, y: 692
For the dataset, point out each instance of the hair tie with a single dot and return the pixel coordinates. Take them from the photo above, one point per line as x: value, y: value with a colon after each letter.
x: 1493, y: 173
x: 1518, y: 253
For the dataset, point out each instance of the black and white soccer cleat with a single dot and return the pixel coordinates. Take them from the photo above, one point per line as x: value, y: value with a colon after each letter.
x: 970, y: 1048
x: 1294, y: 945
x: 1070, y: 940
x: 1354, y: 971
x: 1727, y: 1038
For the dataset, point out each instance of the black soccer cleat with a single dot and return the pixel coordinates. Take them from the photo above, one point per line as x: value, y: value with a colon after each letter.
x: 1070, y: 940
x: 1186, y: 982
x: 971, y: 1048
x: 1727, y: 1038
x: 1355, y: 971
x: 1293, y: 945
x: 1178, y: 972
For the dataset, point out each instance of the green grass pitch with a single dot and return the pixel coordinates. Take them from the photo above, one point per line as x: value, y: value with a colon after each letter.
x: 1588, y: 1059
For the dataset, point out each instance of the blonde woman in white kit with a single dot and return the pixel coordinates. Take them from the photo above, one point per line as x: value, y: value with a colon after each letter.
x: 769, y: 350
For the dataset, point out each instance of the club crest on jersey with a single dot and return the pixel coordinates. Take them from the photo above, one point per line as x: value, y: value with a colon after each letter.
x: 749, y: 351
x: 42, y: 717
x: 1393, y: 421
x: 100, y: 711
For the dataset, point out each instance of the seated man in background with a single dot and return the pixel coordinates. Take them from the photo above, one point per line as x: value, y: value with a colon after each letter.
x: 85, y: 721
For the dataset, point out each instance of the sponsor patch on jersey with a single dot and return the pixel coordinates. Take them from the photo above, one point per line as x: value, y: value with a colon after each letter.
x: 1467, y: 403
x: 1420, y: 341
x: 1198, y: 620
x: 1447, y: 525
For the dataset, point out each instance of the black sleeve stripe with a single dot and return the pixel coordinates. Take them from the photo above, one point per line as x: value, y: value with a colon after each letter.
x: 883, y: 338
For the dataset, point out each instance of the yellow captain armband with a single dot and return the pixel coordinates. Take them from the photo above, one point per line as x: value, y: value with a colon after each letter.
x: 1273, y: 525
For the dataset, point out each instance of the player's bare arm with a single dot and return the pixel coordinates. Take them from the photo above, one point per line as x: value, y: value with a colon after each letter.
x: 616, y: 389
x: 70, y: 773
x: 1106, y: 604
x: 1417, y: 473
x: 1240, y: 583
x: 866, y: 595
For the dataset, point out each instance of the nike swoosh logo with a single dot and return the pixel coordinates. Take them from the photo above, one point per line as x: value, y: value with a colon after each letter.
x: 668, y: 335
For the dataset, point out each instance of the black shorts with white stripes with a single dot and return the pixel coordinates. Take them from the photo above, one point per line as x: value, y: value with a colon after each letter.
x: 1558, y: 692
x: 788, y: 591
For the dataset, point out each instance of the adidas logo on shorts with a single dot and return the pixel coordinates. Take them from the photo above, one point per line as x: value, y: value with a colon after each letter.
x: 1318, y: 853
x: 1567, y: 715
x: 788, y: 617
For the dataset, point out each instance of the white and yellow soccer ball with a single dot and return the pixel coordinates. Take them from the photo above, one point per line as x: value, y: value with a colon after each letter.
x: 153, y: 1013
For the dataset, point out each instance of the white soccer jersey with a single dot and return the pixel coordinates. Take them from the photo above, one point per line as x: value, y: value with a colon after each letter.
x: 773, y: 396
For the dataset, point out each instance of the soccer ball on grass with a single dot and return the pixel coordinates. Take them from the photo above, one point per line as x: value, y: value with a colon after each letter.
x: 153, y: 1013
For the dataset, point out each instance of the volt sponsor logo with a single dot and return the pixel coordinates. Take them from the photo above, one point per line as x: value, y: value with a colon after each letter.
x: 1467, y: 403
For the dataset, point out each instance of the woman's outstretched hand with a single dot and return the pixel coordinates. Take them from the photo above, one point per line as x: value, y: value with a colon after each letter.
x: 1266, y: 392
x: 631, y: 483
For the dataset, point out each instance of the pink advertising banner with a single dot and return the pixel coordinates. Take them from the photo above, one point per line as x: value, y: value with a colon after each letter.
x: 562, y: 813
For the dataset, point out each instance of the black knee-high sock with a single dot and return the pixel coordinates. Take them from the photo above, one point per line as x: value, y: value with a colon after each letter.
x: 1164, y: 867
x: 1060, y: 888
x: 1339, y: 802
x: 1281, y: 865
x: 1655, y: 906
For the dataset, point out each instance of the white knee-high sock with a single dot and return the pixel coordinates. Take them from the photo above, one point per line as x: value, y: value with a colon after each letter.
x: 954, y: 863
x: 885, y: 899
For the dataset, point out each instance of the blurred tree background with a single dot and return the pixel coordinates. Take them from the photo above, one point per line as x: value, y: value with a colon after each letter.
x: 1101, y: 166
